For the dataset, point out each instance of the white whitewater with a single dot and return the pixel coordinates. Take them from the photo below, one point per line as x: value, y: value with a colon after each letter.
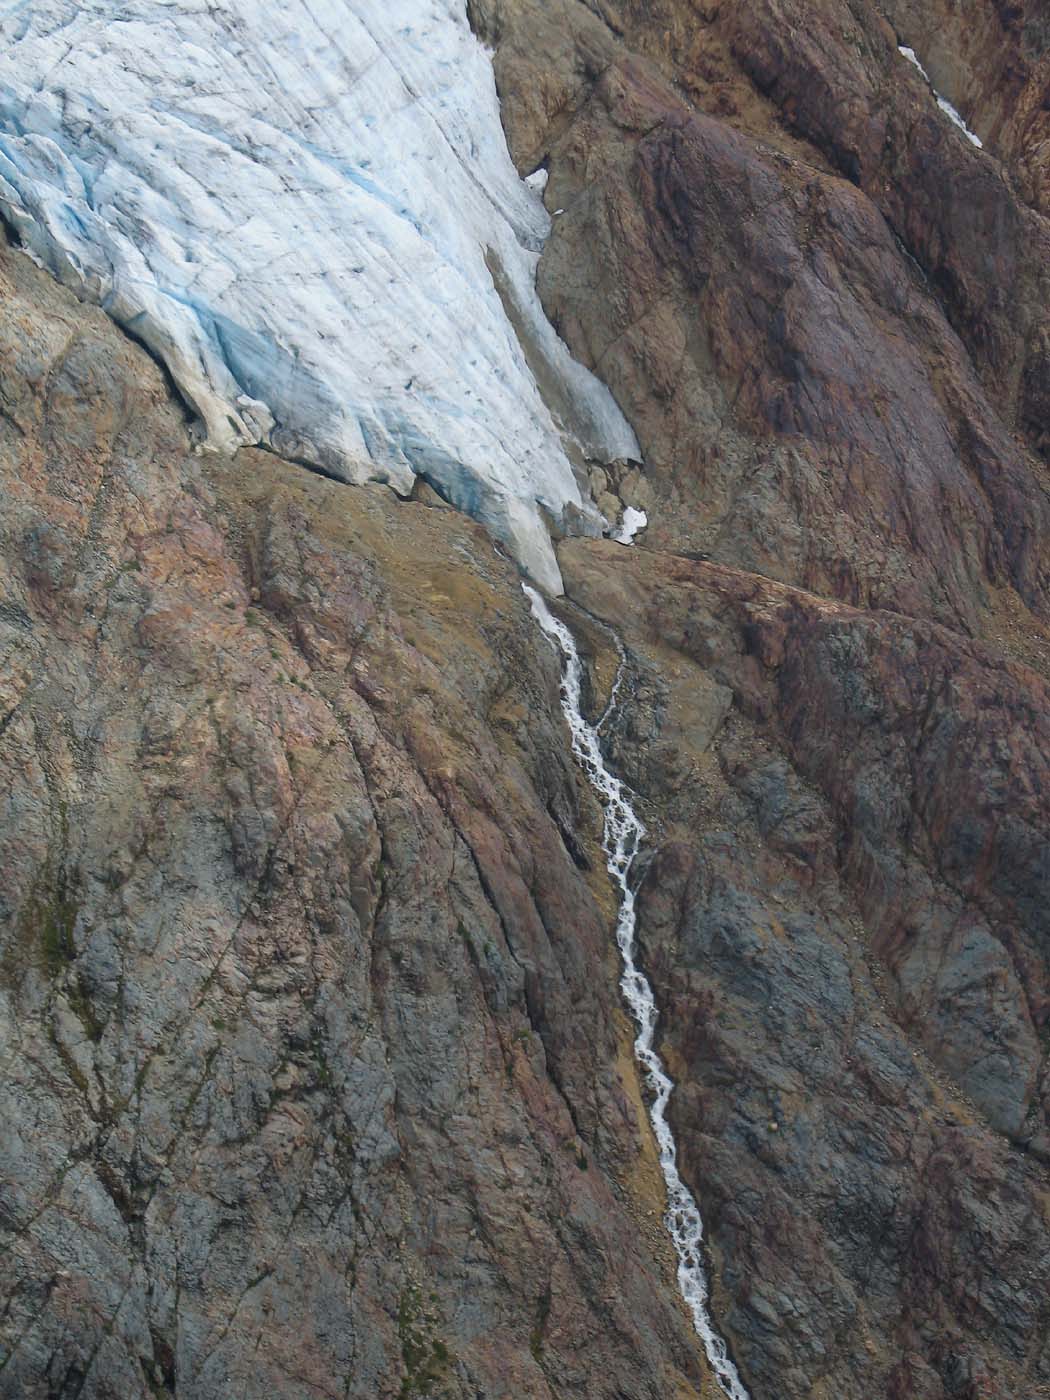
x: 942, y: 102
x: 308, y: 211
x: 622, y: 838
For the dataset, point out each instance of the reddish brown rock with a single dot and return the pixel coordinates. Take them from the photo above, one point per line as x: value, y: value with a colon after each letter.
x: 845, y: 917
x: 313, y: 1079
x: 786, y: 343
x: 316, y: 1081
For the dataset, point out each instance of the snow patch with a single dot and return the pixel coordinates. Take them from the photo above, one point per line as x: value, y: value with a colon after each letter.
x: 296, y: 207
x: 942, y: 102
x: 633, y: 521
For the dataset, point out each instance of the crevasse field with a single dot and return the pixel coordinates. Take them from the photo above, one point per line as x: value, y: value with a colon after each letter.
x: 300, y: 208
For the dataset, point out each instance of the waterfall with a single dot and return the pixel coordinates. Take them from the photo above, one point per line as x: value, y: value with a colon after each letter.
x: 622, y: 837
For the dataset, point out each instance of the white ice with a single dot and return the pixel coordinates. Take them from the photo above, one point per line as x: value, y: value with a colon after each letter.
x: 633, y: 521
x: 308, y: 211
x: 942, y: 102
x: 623, y: 836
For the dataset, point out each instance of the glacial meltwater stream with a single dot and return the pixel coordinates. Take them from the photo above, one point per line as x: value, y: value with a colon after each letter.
x: 622, y: 838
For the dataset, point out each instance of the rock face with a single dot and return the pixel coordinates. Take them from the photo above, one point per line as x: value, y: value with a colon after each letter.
x: 845, y: 919
x: 824, y: 373
x: 310, y: 1020
x: 825, y: 312
x: 315, y: 1073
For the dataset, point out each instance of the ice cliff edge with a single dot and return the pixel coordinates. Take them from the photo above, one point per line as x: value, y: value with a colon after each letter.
x: 298, y: 209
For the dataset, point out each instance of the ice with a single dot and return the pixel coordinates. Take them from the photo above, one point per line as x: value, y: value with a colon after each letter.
x: 304, y: 210
x: 633, y: 521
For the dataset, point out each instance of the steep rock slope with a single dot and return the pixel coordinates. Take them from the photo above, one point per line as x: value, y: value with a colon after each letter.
x: 845, y: 920
x: 312, y: 1077
x: 822, y: 308
x: 322, y: 1030
x: 827, y: 327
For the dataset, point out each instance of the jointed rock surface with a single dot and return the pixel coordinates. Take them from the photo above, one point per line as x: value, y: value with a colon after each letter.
x: 315, y: 1076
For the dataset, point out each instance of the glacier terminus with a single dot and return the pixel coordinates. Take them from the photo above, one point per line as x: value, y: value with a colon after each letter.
x: 308, y: 212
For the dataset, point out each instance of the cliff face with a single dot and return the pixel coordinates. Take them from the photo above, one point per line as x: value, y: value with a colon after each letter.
x: 316, y: 1077
x: 825, y: 311
x: 846, y: 923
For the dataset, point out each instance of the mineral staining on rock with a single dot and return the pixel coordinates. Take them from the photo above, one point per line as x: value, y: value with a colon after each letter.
x: 308, y: 1018
x: 298, y: 209
x: 318, y: 1079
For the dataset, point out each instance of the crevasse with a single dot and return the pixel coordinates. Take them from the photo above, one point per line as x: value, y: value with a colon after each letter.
x: 623, y: 833
x: 309, y: 213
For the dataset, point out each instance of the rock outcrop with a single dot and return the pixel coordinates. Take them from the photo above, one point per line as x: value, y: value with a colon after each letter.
x: 825, y: 312
x: 845, y: 919
x: 316, y: 1077
x: 821, y: 307
x: 314, y: 1080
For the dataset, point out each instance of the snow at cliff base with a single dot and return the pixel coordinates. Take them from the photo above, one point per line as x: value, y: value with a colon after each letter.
x: 309, y: 213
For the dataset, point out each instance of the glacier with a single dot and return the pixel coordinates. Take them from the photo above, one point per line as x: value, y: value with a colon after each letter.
x: 308, y: 212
